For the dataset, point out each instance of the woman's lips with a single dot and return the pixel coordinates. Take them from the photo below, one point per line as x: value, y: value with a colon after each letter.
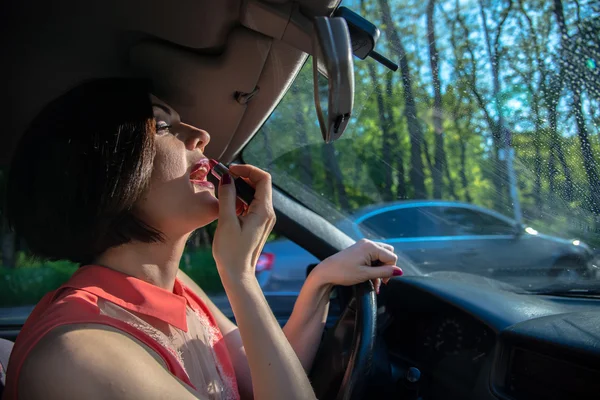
x: 199, y: 173
x: 200, y: 170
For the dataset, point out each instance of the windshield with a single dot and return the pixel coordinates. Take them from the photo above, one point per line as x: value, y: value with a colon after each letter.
x: 479, y: 155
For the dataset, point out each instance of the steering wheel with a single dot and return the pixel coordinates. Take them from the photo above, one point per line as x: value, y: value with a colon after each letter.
x: 343, y: 362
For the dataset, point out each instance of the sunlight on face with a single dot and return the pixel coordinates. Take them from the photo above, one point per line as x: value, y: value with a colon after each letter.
x: 174, y: 204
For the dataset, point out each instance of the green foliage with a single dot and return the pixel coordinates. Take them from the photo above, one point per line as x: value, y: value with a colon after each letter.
x: 518, y: 71
x: 32, y: 279
x: 200, y: 266
x: 27, y: 284
x: 372, y: 162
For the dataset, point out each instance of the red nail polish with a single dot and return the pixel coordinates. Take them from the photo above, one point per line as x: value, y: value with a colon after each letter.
x: 226, y: 180
x: 397, y: 272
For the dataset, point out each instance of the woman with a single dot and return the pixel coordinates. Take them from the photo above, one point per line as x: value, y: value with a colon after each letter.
x: 108, y: 176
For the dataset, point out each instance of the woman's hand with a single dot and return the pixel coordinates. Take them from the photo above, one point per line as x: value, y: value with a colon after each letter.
x: 356, y: 264
x: 239, y: 239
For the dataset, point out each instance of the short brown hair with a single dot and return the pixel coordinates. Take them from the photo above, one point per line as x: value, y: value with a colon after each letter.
x: 80, y: 167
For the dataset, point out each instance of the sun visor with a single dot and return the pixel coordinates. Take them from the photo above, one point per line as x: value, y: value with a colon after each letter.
x: 201, y: 86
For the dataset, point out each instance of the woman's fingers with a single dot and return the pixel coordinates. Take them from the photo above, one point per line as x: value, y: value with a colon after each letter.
x: 376, y: 284
x: 256, y: 177
x: 385, y: 271
x: 379, y: 252
x: 385, y: 246
x: 227, y: 200
x: 240, y: 207
x: 262, y: 205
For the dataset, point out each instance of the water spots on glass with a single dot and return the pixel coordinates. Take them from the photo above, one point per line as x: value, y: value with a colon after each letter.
x: 509, y: 124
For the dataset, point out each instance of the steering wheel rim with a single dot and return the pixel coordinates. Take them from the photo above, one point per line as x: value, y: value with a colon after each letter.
x: 360, y: 319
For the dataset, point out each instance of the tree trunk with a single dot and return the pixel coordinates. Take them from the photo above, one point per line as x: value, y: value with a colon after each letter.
x: 398, y: 156
x: 463, y: 168
x: 401, y: 188
x: 427, y: 154
x: 462, y: 145
x: 416, y: 174
x: 500, y: 140
x: 450, y: 181
x: 306, y: 157
x: 333, y: 167
x: 535, y: 59
x: 537, y: 144
x: 386, y: 139
x: 586, y: 152
x: 8, y: 246
x: 439, y: 156
x: 499, y: 170
x: 568, y: 190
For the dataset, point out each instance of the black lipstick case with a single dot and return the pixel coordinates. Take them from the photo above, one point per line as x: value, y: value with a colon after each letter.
x: 244, y: 191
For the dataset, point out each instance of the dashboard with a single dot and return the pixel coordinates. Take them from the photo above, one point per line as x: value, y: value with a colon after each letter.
x: 449, y: 348
x: 470, y: 338
x: 436, y: 337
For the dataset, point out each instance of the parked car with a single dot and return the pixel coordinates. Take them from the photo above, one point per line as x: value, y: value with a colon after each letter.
x: 446, y: 236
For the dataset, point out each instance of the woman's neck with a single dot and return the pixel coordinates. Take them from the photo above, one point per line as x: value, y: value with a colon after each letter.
x: 155, y: 263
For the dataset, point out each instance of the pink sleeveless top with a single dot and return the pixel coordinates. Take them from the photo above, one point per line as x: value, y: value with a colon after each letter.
x: 177, y: 325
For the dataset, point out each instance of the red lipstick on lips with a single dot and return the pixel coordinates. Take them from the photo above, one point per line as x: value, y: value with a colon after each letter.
x: 199, y: 173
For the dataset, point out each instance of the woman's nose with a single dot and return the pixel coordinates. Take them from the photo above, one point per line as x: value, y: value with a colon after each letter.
x: 195, y: 138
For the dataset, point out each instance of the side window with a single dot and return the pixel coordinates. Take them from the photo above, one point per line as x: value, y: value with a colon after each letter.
x: 463, y: 221
x: 401, y: 223
x: 495, y: 226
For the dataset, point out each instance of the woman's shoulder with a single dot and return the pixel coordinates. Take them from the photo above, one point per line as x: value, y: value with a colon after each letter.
x: 72, y: 360
x: 82, y: 342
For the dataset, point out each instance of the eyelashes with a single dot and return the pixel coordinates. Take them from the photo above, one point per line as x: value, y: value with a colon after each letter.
x: 162, y: 126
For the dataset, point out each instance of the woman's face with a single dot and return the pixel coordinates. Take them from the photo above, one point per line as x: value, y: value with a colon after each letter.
x: 179, y: 199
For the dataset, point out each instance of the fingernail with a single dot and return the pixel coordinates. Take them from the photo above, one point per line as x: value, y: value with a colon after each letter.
x: 226, y: 180
x: 397, y: 272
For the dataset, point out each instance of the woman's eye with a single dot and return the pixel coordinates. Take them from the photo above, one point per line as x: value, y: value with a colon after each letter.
x: 162, y: 126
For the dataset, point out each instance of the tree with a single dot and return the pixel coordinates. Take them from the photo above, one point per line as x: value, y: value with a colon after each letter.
x: 387, y: 142
x: 415, y: 131
x: 575, y: 84
x: 440, y: 155
x: 8, y: 237
x: 300, y: 116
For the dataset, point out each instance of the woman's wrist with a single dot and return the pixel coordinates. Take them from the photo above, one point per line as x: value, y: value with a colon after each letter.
x: 233, y: 276
x: 317, y: 280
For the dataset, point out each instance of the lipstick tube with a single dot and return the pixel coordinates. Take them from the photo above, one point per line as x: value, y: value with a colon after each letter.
x: 244, y: 191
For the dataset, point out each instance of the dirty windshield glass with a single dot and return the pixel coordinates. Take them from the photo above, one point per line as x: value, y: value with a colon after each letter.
x: 479, y: 155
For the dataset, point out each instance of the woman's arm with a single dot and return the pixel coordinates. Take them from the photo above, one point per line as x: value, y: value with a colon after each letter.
x: 303, y: 330
x: 348, y: 267
x: 275, y: 369
x: 305, y: 326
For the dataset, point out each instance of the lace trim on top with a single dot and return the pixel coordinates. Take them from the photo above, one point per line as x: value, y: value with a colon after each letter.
x: 193, y: 349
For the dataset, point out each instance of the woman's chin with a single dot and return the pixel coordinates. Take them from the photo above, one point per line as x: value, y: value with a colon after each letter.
x: 203, y: 186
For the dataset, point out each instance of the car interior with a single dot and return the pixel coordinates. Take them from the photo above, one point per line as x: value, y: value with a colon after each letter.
x: 224, y: 66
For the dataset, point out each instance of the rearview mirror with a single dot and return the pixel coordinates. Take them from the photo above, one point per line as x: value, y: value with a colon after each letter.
x: 332, y: 58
